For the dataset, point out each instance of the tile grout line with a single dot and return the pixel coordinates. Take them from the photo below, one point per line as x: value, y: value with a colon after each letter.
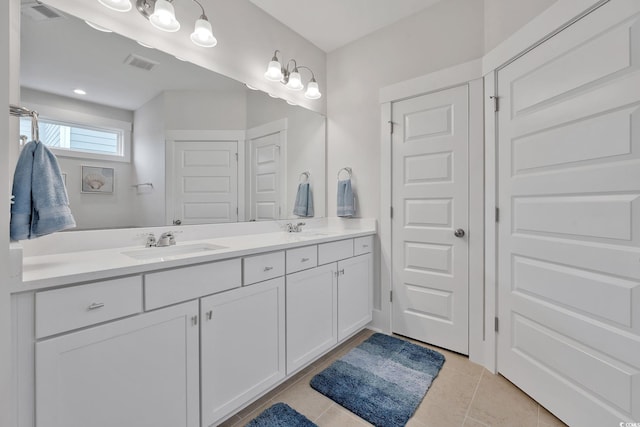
x: 475, y: 392
x: 324, y: 412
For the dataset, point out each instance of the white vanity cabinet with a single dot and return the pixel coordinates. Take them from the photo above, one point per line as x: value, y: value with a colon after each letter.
x: 312, y: 309
x: 138, y: 371
x: 327, y: 304
x: 242, y: 346
x: 355, y: 278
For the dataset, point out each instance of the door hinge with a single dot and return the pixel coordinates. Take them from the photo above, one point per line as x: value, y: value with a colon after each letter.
x: 390, y: 296
x: 495, y: 326
x: 496, y: 103
x: 497, y: 214
x: 391, y: 212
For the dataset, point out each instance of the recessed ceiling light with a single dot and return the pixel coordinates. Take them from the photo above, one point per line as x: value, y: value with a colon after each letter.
x: 79, y: 92
x: 98, y: 27
x: 144, y: 45
x: 250, y: 87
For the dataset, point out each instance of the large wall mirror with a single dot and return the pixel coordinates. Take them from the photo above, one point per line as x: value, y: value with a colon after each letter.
x: 157, y: 140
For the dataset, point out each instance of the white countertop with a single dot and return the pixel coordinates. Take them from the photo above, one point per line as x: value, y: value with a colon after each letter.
x: 51, y: 270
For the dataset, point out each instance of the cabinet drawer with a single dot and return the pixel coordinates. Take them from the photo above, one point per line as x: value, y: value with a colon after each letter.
x: 65, y: 309
x: 263, y: 267
x: 334, y: 251
x: 302, y: 258
x: 362, y: 245
x: 182, y: 284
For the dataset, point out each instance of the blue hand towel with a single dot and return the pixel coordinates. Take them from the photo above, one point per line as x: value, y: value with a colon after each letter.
x: 346, y: 199
x: 41, y: 203
x: 304, y: 200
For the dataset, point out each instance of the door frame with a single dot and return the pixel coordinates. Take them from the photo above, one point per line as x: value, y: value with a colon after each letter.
x: 201, y: 135
x: 470, y: 74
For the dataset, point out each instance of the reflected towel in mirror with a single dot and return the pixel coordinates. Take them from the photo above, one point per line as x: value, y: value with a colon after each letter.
x: 304, y: 200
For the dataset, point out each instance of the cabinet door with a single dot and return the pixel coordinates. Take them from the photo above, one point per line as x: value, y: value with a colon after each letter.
x: 311, y: 314
x: 242, y: 346
x: 355, y: 281
x: 140, y: 371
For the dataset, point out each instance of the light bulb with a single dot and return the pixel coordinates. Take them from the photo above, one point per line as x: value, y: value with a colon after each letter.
x: 202, y: 34
x: 117, y: 5
x: 274, y: 71
x: 313, y: 92
x: 164, y: 17
x: 295, y: 81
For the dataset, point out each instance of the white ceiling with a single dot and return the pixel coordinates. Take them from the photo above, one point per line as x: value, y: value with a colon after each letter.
x: 59, y: 55
x: 330, y: 24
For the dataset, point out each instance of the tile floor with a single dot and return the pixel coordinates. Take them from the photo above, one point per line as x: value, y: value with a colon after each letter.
x: 463, y: 394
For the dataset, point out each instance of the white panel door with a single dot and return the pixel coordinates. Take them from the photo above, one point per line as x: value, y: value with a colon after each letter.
x: 569, y: 231
x: 430, y: 202
x: 266, y: 173
x: 140, y: 371
x: 205, y: 182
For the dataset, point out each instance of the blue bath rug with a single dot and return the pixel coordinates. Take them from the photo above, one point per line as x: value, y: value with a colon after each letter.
x: 280, y: 415
x: 383, y: 380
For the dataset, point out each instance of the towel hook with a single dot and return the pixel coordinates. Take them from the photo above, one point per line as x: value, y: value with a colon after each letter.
x: 307, y: 176
x: 349, y: 171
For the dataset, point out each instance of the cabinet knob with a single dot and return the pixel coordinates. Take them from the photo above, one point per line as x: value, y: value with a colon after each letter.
x: 268, y: 268
x: 95, y: 306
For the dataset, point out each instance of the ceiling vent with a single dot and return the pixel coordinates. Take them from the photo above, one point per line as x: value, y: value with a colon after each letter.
x: 140, y: 62
x: 39, y: 12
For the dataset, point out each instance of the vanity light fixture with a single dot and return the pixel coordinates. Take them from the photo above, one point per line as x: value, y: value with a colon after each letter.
x: 161, y: 14
x: 98, y: 27
x: 117, y: 5
x: 290, y: 76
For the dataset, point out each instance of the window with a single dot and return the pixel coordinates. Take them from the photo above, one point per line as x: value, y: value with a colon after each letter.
x: 76, y: 138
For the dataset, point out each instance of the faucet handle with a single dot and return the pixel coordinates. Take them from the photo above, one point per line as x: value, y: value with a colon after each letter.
x: 151, y: 240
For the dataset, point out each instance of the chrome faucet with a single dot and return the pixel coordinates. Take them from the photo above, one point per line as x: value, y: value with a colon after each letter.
x: 294, y: 228
x: 166, y: 239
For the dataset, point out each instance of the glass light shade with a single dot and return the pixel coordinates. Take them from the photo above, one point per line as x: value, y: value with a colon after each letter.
x: 274, y: 71
x: 295, y: 81
x: 117, y: 5
x: 203, y: 34
x: 164, y: 17
x: 313, y: 92
x: 98, y: 27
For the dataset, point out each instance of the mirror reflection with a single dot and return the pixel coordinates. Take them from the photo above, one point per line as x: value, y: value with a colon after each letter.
x: 146, y: 139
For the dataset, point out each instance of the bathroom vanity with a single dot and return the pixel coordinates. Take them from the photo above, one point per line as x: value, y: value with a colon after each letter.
x: 186, y: 337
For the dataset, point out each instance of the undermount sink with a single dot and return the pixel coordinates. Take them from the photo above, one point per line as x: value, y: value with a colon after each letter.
x: 169, y: 251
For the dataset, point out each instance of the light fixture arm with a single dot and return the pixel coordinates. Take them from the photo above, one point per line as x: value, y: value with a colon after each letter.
x: 203, y: 16
x: 313, y: 76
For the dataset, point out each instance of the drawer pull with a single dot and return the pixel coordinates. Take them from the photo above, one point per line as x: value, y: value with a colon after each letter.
x: 365, y: 246
x: 268, y: 268
x: 209, y: 314
x: 95, y: 306
x: 341, y: 271
x: 194, y: 320
x: 304, y: 260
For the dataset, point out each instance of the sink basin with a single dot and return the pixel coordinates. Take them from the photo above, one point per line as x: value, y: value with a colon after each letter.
x: 170, y: 251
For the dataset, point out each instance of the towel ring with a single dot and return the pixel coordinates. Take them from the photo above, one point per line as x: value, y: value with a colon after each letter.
x: 307, y: 176
x: 349, y: 171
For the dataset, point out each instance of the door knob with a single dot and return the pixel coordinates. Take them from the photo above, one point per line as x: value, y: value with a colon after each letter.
x: 459, y: 232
